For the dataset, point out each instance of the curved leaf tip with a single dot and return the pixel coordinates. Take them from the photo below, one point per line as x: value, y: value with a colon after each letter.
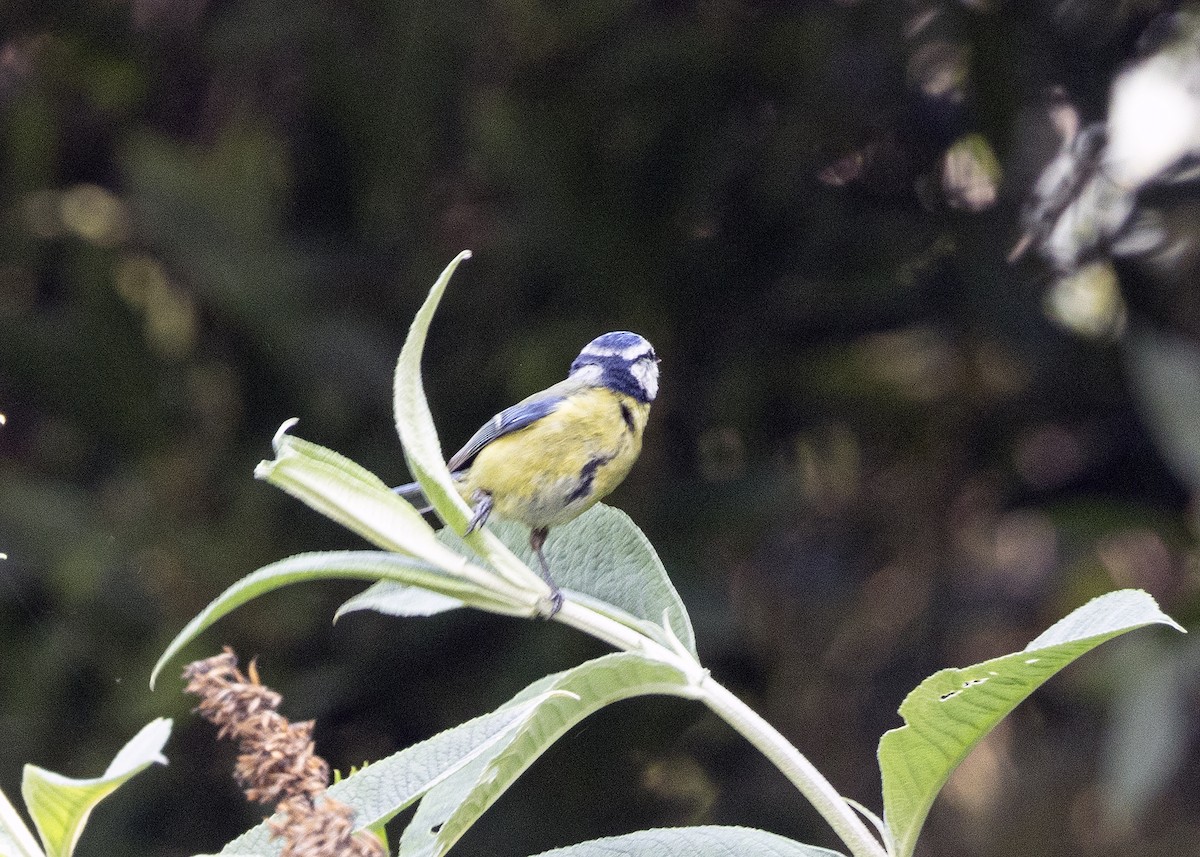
x: 952, y: 710
x: 414, y: 421
x: 60, y: 806
x: 284, y: 428
x: 144, y: 748
x: 1125, y: 609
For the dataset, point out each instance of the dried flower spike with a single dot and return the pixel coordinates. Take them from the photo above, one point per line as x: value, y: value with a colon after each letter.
x: 277, y: 762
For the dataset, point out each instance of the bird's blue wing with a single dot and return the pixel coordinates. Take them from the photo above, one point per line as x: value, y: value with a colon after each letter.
x: 509, y: 420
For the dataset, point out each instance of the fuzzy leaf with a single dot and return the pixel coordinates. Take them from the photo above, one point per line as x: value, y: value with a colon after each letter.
x: 423, y: 450
x: 414, y: 422
x: 332, y: 565
x: 603, y: 554
x: 949, y: 712
x: 60, y: 806
x: 706, y: 841
x: 15, y: 837
x: 386, y: 787
x: 399, y: 599
x: 449, y: 810
x: 353, y: 496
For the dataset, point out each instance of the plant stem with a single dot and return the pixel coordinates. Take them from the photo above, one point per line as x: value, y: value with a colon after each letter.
x: 620, y: 636
x: 811, y: 783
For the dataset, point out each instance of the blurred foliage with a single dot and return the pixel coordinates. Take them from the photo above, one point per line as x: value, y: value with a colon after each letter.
x: 873, y: 456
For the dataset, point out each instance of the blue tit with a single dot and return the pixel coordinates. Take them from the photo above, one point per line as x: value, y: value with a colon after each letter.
x: 549, y: 458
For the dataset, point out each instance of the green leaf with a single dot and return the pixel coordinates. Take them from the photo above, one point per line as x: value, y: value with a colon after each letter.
x: 414, y: 421
x: 351, y: 495
x: 398, y: 599
x: 603, y: 554
x: 423, y: 450
x: 60, y: 806
x: 949, y: 712
x: 354, y: 497
x: 706, y: 841
x: 449, y: 810
x: 334, y: 565
x: 15, y: 838
x: 384, y: 788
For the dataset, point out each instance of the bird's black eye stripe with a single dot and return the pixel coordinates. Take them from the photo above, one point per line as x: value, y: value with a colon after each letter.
x: 627, y: 415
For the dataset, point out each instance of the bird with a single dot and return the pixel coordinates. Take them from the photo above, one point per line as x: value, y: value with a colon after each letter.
x: 552, y: 456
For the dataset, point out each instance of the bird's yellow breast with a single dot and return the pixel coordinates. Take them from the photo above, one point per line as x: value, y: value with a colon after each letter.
x: 555, y: 469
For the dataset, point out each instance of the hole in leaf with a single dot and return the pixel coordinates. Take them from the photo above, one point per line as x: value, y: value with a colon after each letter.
x: 949, y: 695
x: 974, y: 681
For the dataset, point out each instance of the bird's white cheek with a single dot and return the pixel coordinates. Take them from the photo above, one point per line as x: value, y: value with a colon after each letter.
x: 646, y: 373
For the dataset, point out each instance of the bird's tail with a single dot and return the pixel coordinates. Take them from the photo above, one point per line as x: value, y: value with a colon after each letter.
x: 412, y: 493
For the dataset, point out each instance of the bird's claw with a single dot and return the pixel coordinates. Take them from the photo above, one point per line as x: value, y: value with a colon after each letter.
x: 479, y: 516
x: 556, y: 602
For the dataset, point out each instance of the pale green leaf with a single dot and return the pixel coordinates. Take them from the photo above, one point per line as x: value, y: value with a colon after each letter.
x: 603, y: 554
x: 333, y: 565
x: 949, y: 712
x: 348, y: 493
x: 60, y: 806
x: 706, y: 841
x: 414, y: 422
x: 399, y: 599
x: 449, y: 810
x: 15, y: 838
x: 384, y: 788
x: 423, y: 450
x: 885, y: 834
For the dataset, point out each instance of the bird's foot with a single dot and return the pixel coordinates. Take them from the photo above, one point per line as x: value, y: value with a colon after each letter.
x: 537, y: 540
x: 483, y: 508
x: 556, y: 603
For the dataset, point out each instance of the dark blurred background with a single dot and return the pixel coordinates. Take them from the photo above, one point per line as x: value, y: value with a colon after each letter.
x: 880, y: 449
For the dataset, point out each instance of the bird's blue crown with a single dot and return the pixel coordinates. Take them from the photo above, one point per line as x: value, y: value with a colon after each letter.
x: 626, y: 363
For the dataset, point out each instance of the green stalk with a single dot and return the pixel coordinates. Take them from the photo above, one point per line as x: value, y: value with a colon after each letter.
x: 801, y: 772
x: 845, y: 822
